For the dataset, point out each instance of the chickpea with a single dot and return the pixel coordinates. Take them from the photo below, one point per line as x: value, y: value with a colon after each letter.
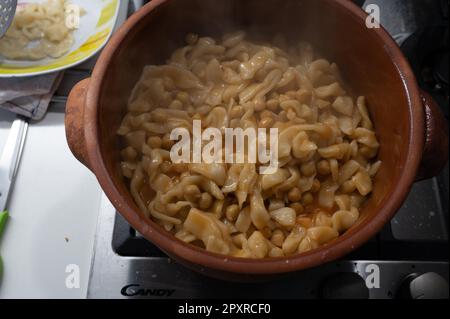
x: 295, y: 195
x: 127, y: 172
x: 348, y: 187
x: 154, y: 142
x: 205, y: 201
x: 129, y: 154
x: 236, y: 112
x: 307, y: 198
x: 260, y: 106
x: 368, y: 152
x: 232, y: 212
x: 303, y: 96
x: 298, y: 207
x: 176, y: 105
x: 273, y: 105
x: 183, y: 97
x: 166, y: 167
x: 308, y: 169
x: 239, y: 240
x: 191, y: 109
x: 277, y: 238
x: 192, y: 193
x: 315, y: 186
x: 323, y: 167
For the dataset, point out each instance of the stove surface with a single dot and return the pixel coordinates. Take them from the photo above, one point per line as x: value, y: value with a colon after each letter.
x: 125, y: 265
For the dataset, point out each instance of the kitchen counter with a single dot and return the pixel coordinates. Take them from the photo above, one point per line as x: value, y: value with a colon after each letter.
x: 54, y: 207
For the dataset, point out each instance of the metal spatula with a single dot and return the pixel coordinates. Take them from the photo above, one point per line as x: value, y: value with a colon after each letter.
x: 7, y: 11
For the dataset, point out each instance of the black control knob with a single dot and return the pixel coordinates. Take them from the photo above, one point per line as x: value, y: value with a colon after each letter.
x: 345, y: 285
x: 424, y: 286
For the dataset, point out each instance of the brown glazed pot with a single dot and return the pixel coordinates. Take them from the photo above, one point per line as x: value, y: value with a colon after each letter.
x: 410, y: 127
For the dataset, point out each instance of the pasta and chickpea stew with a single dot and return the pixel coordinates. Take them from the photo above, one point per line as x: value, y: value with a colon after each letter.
x: 327, y: 148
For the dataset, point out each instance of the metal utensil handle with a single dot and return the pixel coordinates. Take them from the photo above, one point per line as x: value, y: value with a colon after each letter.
x: 9, y: 160
x: 7, y: 12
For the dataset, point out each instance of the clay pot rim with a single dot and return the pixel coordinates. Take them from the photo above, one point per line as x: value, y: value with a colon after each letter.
x: 336, y: 249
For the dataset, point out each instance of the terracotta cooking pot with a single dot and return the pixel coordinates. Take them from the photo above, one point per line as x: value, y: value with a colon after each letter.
x: 409, y: 125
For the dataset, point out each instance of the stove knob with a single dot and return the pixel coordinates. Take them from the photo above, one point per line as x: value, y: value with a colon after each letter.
x: 345, y: 285
x: 426, y: 286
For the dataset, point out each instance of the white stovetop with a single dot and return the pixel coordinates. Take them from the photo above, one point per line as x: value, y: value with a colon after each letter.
x: 54, y: 207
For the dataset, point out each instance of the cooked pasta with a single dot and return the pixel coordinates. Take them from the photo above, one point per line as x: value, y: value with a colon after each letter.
x: 327, y: 148
x: 39, y: 30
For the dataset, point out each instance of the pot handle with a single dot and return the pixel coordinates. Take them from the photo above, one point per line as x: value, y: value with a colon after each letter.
x: 435, y: 152
x: 74, y: 121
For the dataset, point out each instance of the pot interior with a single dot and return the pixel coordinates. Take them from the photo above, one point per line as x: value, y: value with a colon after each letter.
x: 339, y: 35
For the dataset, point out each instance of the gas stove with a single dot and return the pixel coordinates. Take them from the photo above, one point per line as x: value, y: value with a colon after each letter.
x: 413, y: 245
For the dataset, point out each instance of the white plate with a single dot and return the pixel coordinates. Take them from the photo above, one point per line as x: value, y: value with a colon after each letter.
x: 94, y: 31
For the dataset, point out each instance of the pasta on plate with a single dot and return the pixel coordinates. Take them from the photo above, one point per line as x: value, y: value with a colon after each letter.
x: 38, y: 31
x: 327, y: 148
